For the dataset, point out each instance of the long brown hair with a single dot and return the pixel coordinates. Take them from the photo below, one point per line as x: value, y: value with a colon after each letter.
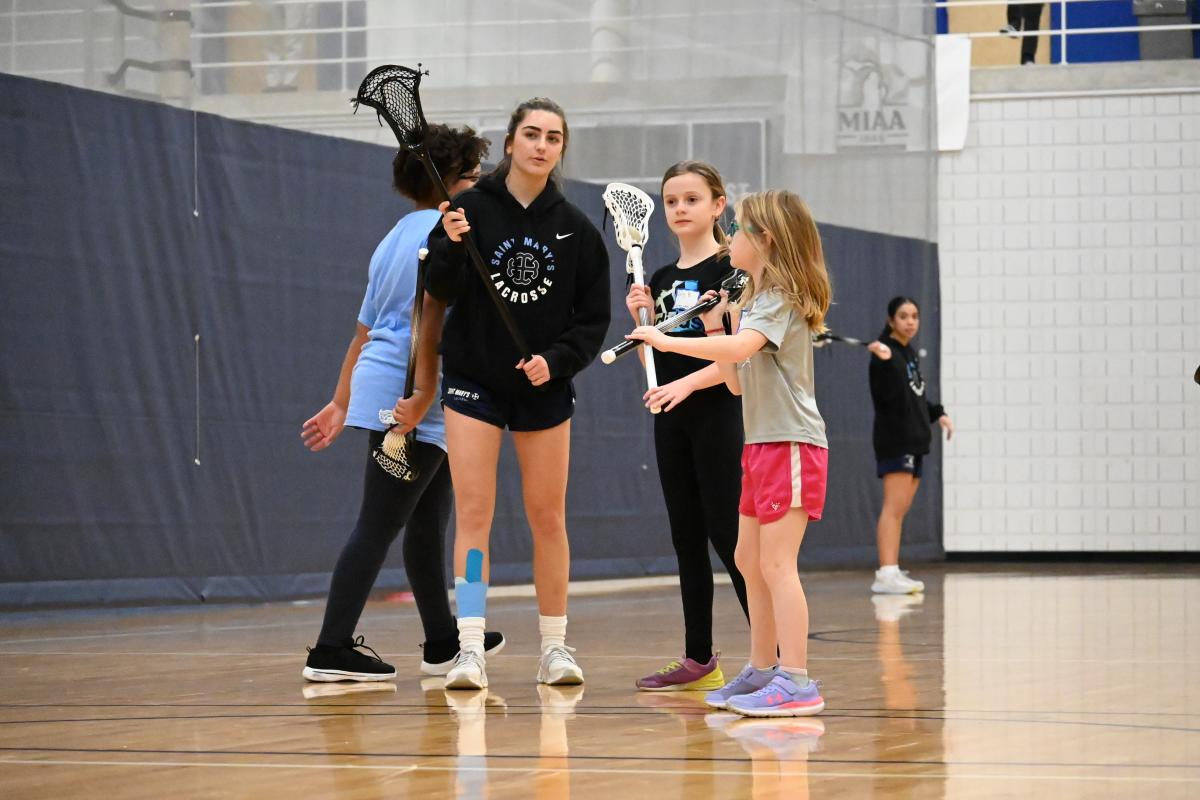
x: 712, y: 179
x: 793, y: 258
x: 514, y: 122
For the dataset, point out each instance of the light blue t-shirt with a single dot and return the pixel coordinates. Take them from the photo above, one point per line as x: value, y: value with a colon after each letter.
x: 378, y: 378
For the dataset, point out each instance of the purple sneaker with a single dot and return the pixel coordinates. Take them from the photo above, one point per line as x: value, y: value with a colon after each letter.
x: 684, y: 676
x: 748, y: 680
x: 780, y: 698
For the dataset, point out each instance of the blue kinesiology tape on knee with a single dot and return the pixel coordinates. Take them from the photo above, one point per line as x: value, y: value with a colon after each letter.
x: 470, y: 593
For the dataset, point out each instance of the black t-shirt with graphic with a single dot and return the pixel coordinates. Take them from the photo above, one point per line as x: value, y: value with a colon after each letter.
x: 673, y: 290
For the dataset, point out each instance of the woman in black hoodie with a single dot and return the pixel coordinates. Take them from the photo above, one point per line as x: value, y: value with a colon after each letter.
x: 548, y: 262
x: 901, y: 437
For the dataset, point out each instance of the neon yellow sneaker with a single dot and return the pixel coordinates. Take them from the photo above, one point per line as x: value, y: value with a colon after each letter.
x: 684, y: 676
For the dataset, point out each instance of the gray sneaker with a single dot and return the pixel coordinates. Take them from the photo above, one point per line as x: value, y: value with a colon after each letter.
x: 747, y: 681
x: 557, y: 667
x: 469, y: 671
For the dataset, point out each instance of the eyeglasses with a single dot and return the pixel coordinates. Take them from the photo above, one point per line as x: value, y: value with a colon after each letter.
x: 734, y: 227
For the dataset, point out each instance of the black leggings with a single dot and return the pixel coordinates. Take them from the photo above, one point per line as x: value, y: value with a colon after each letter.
x: 699, y: 450
x: 422, y: 508
x: 1027, y: 17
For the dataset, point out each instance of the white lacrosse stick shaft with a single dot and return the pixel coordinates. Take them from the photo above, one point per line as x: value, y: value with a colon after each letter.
x: 639, y: 277
x: 631, y: 209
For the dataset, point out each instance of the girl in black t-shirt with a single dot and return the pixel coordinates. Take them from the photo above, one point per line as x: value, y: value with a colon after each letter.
x: 698, y: 435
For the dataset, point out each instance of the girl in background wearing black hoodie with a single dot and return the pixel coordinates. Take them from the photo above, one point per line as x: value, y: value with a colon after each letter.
x: 548, y: 262
x: 901, y: 437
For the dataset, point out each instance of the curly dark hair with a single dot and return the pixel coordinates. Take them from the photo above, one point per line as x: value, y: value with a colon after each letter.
x: 454, y: 151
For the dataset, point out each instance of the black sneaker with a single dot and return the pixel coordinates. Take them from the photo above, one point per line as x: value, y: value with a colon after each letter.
x: 328, y: 663
x: 438, y: 657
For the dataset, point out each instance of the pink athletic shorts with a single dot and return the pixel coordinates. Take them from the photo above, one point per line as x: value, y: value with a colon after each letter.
x: 777, y: 476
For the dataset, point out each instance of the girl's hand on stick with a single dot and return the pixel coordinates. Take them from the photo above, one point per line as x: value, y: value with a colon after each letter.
x: 668, y: 396
x: 712, y: 317
x: 651, y: 336
x: 880, y: 350
x: 637, y: 299
x: 454, y: 221
x: 409, y: 412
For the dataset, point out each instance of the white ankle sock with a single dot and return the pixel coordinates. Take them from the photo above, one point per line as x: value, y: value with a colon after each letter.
x: 470, y: 633
x: 890, y: 569
x: 553, y: 630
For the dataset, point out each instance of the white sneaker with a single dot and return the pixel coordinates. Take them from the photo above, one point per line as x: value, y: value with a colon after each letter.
x: 558, y: 668
x: 468, y: 671
x: 895, y: 583
x: 1009, y: 31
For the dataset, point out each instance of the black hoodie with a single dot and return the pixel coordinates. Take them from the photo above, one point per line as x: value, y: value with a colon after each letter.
x: 550, y: 265
x: 902, y: 413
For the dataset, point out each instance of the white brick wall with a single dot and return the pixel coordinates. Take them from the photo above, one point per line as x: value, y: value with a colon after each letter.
x: 1070, y: 263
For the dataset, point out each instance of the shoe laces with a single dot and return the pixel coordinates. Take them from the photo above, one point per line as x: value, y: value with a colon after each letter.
x: 559, y: 652
x: 741, y: 677
x: 674, y: 665
x: 360, y: 642
x: 764, y: 690
x: 469, y: 658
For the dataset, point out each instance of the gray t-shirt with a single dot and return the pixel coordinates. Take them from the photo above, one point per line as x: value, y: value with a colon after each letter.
x: 779, y: 403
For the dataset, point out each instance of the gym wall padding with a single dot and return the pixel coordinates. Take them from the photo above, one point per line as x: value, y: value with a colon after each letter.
x: 129, y: 228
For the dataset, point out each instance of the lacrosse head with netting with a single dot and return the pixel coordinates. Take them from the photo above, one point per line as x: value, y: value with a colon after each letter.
x: 735, y: 283
x: 394, y: 453
x: 631, y: 209
x: 394, y: 92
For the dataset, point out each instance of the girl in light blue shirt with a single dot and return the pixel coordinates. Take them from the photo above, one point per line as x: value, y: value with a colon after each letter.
x: 372, y: 379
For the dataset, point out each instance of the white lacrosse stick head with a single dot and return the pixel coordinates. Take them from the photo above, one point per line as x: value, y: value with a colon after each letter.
x: 631, y: 209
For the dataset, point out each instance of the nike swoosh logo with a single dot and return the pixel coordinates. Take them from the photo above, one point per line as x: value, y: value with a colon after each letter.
x: 563, y: 235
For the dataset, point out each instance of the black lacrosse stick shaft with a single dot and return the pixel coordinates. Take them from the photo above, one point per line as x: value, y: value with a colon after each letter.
x: 477, y: 261
x: 833, y: 337
x: 629, y: 345
x: 414, y: 340
x: 394, y: 92
x: 731, y: 284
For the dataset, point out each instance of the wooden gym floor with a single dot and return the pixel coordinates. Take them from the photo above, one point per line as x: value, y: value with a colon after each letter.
x: 1031, y: 680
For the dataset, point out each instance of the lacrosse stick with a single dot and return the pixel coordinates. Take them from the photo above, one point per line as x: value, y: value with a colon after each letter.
x: 829, y: 336
x: 821, y: 339
x: 734, y: 283
x: 394, y: 93
x: 631, y: 209
x: 392, y: 455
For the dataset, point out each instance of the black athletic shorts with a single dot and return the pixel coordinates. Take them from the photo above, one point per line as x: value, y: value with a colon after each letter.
x: 524, y: 411
x: 907, y: 463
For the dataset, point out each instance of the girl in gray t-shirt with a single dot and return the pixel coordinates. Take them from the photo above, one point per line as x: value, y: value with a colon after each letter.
x: 769, y: 361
